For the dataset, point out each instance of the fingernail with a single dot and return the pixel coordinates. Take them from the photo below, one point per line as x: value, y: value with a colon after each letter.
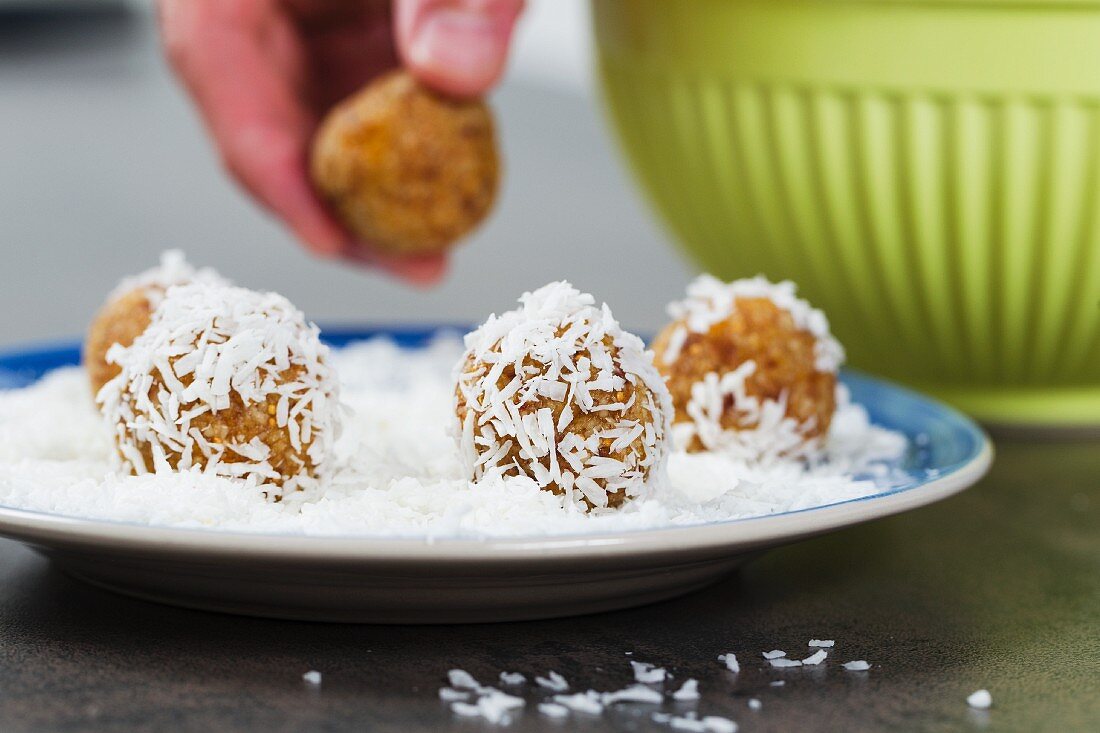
x: 460, y: 50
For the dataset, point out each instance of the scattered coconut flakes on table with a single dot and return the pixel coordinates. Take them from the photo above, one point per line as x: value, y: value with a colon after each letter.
x: 462, y: 679
x: 980, y: 700
x: 512, y: 678
x: 783, y: 662
x: 816, y: 658
x: 397, y: 470
x: 496, y: 705
x: 553, y: 710
x: 730, y: 661
x: 553, y: 681
x: 718, y: 724
x: 694, y: 724
x: 173, y: 269
x: 633, y: 693
x: 823, y: 643
x: 450, y: 694
x: 688, y: 691
x: 582, y: 702
x: 491, y: 704
x: 647, y: 673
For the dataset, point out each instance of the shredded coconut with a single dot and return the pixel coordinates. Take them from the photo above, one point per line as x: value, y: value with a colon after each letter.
x: 675, y: 344
x: 312, y: 677
x: 633, y: 693
x: 823, y: 643
x: 774, y: 654
x: 512, y: 678
x: 688, y: 691
x: 172, y: 270
x: 783, y: 662
x: 730, y: 661
x: 462, y: 679
x: 773, y: 434
x: 858, y: 665
x: 980, y: 700
x: 709, y: 300
x: 816, y: 658
x: 647, y: 673
x: 553, y: 710
x: 694, y: 724
x: 718, y: 724
x: 496, y: 707
x: 397, y: 472
x: 450, y: 694
x: 492, y: 705
x: 553, y: 681
x: 582, y: 702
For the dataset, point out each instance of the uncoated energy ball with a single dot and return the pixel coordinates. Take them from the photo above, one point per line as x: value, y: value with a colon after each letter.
x: 407, y: 170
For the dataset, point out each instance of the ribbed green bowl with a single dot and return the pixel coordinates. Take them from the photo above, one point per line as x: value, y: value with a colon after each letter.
x: 926, y: 171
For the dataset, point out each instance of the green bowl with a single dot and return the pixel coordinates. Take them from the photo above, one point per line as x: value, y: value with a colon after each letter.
x: 928, y: 172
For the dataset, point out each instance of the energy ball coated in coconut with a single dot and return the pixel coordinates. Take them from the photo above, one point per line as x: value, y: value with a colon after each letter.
x: 751, y: 368
x: 407, y: 170
x: 229, y: 381
x: 128, y: 310
x: 556, y: 391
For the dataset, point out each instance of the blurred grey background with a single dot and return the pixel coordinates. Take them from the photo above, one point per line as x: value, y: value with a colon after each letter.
x: 103, y: 164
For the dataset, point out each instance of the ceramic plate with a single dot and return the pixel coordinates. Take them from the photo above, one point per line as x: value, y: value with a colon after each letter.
x: 451, y: 581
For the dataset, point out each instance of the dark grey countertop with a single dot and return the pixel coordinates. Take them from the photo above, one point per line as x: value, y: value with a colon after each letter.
x: 997, y: 588
x: 102, y: 164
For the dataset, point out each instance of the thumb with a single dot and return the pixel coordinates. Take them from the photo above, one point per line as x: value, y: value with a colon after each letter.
x: 456, y: 46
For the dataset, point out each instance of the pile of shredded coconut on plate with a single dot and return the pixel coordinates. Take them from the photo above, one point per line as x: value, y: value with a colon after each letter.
x: 398, y: 469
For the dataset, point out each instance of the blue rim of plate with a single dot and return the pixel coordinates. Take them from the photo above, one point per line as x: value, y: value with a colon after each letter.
x: 944, y: 444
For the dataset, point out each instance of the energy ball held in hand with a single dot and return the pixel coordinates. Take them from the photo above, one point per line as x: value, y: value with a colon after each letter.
x: 556, y: 391
x: 406, y: 169
x: 231, y: 381
x: 751, y: 368
x: 128, y: 310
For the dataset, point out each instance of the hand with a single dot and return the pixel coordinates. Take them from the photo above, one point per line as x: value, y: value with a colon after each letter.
x: 264, y: 72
